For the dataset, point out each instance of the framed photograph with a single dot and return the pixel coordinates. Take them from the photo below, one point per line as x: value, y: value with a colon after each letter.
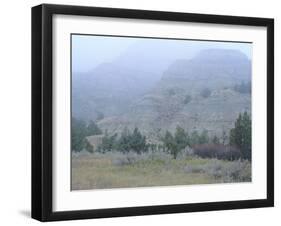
x: 139, y: 112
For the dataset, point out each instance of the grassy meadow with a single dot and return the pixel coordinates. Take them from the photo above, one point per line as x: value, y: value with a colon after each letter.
x: 118, y: 170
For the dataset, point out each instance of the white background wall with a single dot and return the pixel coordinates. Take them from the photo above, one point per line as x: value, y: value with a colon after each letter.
x: 15, y: 118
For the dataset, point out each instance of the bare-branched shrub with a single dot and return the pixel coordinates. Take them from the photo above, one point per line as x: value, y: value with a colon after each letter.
x: 218, y: 151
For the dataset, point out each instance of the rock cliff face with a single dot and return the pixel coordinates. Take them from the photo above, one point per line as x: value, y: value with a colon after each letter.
x: 195, y: 94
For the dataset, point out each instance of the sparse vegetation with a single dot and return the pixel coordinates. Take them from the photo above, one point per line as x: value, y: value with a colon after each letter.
x: 243, y: 87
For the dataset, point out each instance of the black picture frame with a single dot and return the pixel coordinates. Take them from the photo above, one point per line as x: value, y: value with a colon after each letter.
x: 42, y: 106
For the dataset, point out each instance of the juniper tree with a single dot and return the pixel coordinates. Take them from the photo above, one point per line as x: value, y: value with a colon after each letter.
x: 168, y: 141
x: 108, y: 142
x: 137, y: 141
x: 93, y: 129
x: 204, y: 138
x: 78, y: 134
x: 124, y: 141
x: 194, y: 138
x: 241, y: 135
x: 177, y: 142
x: 215, y: 140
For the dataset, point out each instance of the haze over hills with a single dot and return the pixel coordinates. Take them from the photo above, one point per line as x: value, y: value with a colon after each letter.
x: 212, y: 63
x: 137, y: 95
x: 108, y: 89
x: 156, y: 55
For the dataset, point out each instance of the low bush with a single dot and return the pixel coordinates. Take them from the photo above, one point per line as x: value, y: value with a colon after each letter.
x: 131, y: 157
x: 232, y: 171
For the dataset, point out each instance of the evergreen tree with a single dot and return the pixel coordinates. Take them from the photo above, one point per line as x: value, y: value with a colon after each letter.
x: 168, y: 141
x: 177, y: 142
x: 194, y: 138
x: 181, y: 138
x: 137, y: 141
x: 93, y: 129
x: 204, y: 138
x: 108, y: 142
x: 215, y: 140
x: 241, y: 135
x: 124, y: 141
x: 78, y: 135
x: 224, y: 137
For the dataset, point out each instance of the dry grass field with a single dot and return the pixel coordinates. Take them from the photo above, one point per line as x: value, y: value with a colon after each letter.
x: 117, y: 170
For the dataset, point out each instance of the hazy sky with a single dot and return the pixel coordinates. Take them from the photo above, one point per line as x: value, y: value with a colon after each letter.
x: 89, y: 51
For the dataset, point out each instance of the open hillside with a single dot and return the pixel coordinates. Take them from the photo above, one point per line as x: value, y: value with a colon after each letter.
x: 197, y: 94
